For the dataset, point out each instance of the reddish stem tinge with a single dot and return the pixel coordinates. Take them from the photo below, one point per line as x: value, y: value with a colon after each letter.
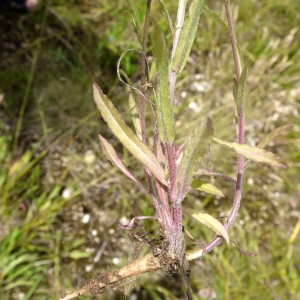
x: 240, y: 137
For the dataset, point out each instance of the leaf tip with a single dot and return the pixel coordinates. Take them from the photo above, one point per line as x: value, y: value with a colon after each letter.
x: 95, y: 85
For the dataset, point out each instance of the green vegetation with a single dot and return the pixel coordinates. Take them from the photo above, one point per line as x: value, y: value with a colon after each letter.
x: 61, y: 201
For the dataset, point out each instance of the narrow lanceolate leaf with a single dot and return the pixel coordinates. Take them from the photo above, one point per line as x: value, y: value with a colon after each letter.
x: 272, y: 135
x: 194, y: 151
x: 111, y: 154
x: 187, y: 36
x: 163, y: 106
x: 209, y: 222
x: 135, y: 117
x: 206, y: 187
x: 254, y: 153
x: 215, y: 17
x: 167, y: 15
x: 137, y: 23
x: 239, y: 91
x: 133, y: 144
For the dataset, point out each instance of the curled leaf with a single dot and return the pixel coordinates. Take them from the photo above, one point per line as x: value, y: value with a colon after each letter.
x: 254, y: 153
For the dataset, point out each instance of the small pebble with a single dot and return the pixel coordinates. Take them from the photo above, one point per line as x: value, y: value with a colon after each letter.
x: 115, y: 260
x: 86, y: 218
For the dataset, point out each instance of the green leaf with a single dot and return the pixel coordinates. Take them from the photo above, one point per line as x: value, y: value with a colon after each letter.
x: 163, y: 105
x: 239, y: 91
x: 209, y: 222
x: 240, y: 56
x: 24, y: 258
x: 187, y: 36
x: 167, y: 15
x: 226, y: 28
x: 54, y: 193
x: 137, y: 23
x: 38, y: 280
x: 77, y: 243
x: 206, y: 187
x: 132, y: 143
x: 152, y: 71
x: 273, y: 135
x: 110, y: 153
x: 215, y: 17
x: 77, y: 254
x: 194, y: 151
x: 135, y: 116
x: 254, y: 153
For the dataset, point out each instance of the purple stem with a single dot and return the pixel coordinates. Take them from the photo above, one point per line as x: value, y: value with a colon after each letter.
x: 240, y: 133
x: 208, y: 172
x: 233, y: 41
x: 176, y: 237
x: 154, y: 199
x: 142, y: 107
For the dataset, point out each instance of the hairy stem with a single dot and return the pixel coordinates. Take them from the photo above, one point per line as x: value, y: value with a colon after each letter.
x: 179, y: 24
x: 142, y: 104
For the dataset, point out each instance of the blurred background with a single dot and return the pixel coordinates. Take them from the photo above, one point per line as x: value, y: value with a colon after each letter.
x: 61, y: 201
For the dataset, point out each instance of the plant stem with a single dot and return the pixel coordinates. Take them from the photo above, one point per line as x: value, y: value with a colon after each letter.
x: 143, y: 71
x: 142, y: 103
x: 238, y: 67
x: 240, y: 133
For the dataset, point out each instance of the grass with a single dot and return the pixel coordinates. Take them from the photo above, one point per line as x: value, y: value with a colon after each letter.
x: 45, y: 247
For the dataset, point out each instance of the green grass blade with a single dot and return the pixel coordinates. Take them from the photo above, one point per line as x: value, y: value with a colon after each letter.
x: 34, y: 287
